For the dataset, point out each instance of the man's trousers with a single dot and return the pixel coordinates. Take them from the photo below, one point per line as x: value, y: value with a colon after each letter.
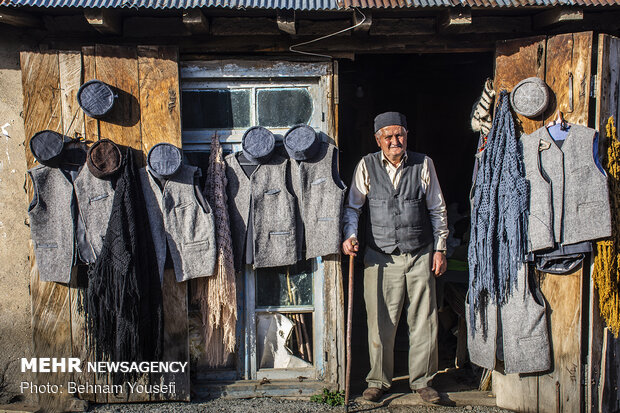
x: 391, y: 282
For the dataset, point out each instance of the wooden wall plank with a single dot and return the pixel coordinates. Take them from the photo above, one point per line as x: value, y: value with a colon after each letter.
x: 569, y: 54
x: 70, y: 64
x: 158, y: 72
x: 51, y: 317
x: 122, y: 124
x: 516, y: 60
x: 160, y: 106
x: 560, y: 389
x: 89, y: 72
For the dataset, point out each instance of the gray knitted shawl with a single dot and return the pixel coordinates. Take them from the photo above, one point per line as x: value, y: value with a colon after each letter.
x: 498, y: 217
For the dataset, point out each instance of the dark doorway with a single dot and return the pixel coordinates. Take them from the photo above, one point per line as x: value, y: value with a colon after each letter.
x: 436, y: 92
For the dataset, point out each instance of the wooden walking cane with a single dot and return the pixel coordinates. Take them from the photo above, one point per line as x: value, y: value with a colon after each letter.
x: 349, y: 322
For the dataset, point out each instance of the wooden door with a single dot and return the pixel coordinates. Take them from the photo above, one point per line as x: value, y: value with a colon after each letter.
x: 148, y: 113
x: 564, y: 62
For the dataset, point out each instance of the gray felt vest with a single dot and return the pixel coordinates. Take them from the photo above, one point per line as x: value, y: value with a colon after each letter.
x: 398, y: 217
x: 522, y: 342
x: 53, y: 219
x: 179, y: 222
x: 320, y: 196
x: 273, y: 212
x: 569, y: 200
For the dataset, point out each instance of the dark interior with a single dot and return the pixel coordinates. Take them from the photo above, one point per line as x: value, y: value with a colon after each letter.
x: 436, y: 92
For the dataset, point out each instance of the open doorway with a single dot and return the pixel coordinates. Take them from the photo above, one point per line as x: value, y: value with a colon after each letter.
x: 436, y: 92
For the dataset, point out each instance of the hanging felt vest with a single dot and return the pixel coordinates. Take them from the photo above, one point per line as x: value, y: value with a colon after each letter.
x: 70, y: 207
x: 179, y: 222
x: 398, y: 217
x: 262, y: 198
x: 515, y: 332
x: 319, y: 192
x: 569, y: 201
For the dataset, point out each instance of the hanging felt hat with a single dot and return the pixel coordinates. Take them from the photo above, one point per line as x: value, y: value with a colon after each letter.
x: 104, y: 158
x: 530, y: 97
x: 302, y: 142
x: 258, y: 144
x: 96, y: 98
x: 164, y: 160
x: 46, y: 147
x: 390, y: 119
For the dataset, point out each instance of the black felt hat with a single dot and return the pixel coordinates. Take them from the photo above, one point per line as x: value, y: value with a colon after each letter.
x: 258, y: 144
x: 164, y: 160
x: 46, y: 147
x: 104, y: 158
x: 390, y: 119
x: 96, y: 98
x: 302, y: 142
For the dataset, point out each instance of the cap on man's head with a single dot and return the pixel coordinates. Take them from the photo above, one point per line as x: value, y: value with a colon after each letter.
x: 390, y: 119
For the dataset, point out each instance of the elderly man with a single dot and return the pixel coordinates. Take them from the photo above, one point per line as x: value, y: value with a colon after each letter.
x: 406, y: 242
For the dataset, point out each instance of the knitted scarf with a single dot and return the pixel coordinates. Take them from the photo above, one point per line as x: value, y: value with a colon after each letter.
x: 499, y: 216
x: 217, y: 295
x: 606, y: 273
x: 124, y: 299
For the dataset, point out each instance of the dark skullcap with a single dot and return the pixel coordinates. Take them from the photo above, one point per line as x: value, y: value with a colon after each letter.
x: 164, y: 160
x: 47, y: 146
x: 258, y: 144
x: 104, y: 158
x: 302, y: 142
x: 390, y: 119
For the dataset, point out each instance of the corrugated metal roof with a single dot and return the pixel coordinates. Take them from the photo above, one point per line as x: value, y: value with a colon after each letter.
x: 302, y: 4
x: 181, y: 4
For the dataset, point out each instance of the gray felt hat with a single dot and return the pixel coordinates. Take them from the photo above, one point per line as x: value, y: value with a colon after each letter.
x: 530, y: 97
x: 96, y: 98
x: 164, y: 160
x: 258, y: 144
x: 104, y: 158
x: 302, y: 142
x: 46, y: 147
x: 390, y: 119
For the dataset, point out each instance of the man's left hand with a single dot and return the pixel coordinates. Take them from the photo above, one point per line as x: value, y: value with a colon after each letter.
x: 440, y: 263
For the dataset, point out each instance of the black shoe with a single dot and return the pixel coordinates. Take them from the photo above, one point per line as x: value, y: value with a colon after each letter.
x: 373, y: 394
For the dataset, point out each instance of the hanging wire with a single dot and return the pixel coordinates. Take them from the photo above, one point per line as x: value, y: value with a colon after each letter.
x: 291, y: 48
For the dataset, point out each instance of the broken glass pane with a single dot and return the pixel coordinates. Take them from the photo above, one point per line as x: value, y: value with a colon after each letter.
x: 284, y: 340
x: 283, y: 107
x: 284, y: 286
x: 216, y: 109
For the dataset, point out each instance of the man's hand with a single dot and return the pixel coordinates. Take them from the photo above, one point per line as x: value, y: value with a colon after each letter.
x: 350, y: 246
x: 440, y: 263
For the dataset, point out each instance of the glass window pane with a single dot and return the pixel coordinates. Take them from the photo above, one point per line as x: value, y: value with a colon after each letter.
x: 284, y: 286
x: 216, y: 109
x: 284, y: 340
x: 283, y: 107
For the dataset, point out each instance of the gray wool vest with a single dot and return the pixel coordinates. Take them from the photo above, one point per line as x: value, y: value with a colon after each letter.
x: 320, y: 196
x: 569, y: 200
x: 54, y: 217
x: 516, y: 332
x: 273, y: 212
x: 398, y: 217
x: 179, y: 222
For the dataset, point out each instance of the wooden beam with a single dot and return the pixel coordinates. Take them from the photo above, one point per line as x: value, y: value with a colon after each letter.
x: 558, y: 15
x: 405, y: 26
x: 456, y: 16
x: 105, y: 21
x: 286, y: 21
x: 366, y: 21
x: 19, y: 19
x: 195, y: 21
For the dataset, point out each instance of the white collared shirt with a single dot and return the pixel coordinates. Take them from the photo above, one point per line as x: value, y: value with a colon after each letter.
x: 435, y: 202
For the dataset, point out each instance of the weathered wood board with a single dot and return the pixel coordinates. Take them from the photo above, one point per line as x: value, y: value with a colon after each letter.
x: 51, y: 312
x: 51, y: 80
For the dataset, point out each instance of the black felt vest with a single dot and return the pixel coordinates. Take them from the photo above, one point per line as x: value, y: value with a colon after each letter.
x: 398, y: 217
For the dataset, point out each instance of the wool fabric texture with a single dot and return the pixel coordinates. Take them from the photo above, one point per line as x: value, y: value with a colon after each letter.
x: 217, y: 295
x: 390, y: 119
x: 124, y: 309
x: 499, y: 216
x: 606, y: 274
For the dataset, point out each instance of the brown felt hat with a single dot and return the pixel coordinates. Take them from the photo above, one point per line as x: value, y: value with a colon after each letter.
x: 104, y: 158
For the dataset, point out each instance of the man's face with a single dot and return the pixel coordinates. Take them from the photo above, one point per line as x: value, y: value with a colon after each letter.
x: 393, y: 141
